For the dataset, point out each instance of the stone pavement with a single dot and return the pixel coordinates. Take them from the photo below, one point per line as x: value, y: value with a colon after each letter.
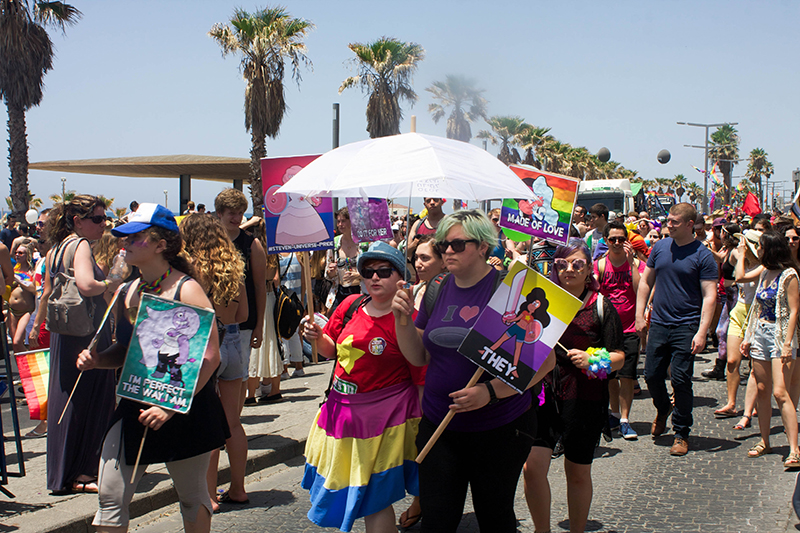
x: 638, y: 486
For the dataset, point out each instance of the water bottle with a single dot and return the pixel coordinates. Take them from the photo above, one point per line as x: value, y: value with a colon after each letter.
x: 118, y: 267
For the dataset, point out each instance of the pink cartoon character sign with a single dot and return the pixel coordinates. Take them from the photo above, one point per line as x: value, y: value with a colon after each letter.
x: 294, y: 222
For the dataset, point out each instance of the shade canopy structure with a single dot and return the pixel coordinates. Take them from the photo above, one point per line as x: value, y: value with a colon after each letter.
x: 408, y: 165
x: 235, y: 170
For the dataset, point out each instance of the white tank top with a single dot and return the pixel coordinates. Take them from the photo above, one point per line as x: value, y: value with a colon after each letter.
x: 747, y: 291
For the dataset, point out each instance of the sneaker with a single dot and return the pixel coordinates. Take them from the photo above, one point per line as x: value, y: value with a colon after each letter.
x: 298, y: 373
x: 627, y: 431
x: 285, y: 376
x: 660, y: 423
x: 680, y: 446
x: 613, y: 422
x: 558, y: 451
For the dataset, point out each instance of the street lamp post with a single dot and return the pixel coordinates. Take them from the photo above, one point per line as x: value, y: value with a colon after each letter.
x: 705, y: 174
x: 166, y: 199
x: 63, y: 190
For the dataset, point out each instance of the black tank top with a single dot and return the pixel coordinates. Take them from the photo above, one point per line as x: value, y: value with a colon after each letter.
x: 728, y: 269
x: 243, y: 243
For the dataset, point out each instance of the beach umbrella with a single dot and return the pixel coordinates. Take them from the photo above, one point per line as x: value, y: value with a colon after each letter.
x: 409, y: 164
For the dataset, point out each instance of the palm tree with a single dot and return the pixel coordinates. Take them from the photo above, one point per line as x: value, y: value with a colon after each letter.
x: 385, y: 69
x: 119, y: 212
x: 457, y: 92
x: 265, y: 40
x: 26, y: 55
x: 759, y: 168
x: 724, y: 149
x: 695, y: 192
x: 57, y: 199
x: 679, y: 183
x: 529, y: 139
x: 507, y: 131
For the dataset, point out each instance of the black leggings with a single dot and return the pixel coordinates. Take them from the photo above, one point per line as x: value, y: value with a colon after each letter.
x: 490, y: 462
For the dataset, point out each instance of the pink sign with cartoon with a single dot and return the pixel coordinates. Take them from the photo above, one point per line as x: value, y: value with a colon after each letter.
x: 294, y: 222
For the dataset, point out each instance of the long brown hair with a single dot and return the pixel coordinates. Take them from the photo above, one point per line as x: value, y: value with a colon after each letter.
x: 60, y: 221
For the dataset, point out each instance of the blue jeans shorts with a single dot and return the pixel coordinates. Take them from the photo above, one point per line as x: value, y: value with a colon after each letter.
x: 233, y: 365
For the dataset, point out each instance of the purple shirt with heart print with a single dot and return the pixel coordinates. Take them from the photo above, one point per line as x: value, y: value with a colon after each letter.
x: 456, y: 311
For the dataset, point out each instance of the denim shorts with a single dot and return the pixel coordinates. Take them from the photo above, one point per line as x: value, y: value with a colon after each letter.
x: 233, y: 365
x: 763, y: 343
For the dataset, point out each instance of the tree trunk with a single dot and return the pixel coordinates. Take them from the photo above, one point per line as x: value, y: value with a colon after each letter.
x: 18, y: 158
x: 257, y: 152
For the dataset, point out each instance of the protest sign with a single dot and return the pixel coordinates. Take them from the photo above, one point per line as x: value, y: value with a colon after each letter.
x: 369, y: 219
x: 165, y: 353
x: 548, y: 215
x: 515, y: 333
x: 294, y: 222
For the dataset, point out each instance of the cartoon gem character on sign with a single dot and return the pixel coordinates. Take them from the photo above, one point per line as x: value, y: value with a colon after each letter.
x: 164, y: 339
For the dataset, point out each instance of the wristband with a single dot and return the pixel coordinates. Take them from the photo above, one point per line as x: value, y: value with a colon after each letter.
x: 493, y: 399
x: 105, y: 282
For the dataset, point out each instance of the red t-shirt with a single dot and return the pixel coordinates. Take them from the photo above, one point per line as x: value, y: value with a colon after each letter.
x: 617, y: 286
x: 367, y: 355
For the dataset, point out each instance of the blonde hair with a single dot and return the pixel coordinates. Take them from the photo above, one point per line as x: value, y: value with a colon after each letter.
x: 105, y: 250
x: 217, y: 262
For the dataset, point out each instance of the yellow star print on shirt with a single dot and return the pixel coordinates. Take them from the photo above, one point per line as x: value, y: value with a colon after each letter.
x: 347, y: 354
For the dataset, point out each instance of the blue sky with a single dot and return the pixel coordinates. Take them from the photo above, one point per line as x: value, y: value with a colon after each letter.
x: 143, y: 78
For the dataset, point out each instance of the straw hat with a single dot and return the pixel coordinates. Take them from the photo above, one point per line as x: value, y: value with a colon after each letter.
x: 751, y: 238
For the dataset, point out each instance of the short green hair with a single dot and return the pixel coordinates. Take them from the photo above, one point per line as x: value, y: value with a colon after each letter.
x: 476, y: 226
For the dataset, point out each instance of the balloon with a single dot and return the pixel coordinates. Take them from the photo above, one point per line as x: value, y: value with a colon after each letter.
x: 31, y: 216
x: 663, y: 156
x: 603, y: 154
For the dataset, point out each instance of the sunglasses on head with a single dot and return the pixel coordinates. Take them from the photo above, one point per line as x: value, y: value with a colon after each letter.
x: 617, y: 240
x: 97, y: 219
x: 562, y: 264
x: 382, y: 272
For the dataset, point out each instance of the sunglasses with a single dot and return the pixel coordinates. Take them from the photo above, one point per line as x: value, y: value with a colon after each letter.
x: 458, y: 245
x: 97, y: 219
x: 495, y: 220
x: 617, y: 240
x: 382, y: 272
x: 792, y: 239
x: 562, y: 264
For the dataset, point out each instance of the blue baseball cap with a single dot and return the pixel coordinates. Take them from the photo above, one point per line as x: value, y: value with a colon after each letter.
x: 146, y: 216
x: 384, y: 252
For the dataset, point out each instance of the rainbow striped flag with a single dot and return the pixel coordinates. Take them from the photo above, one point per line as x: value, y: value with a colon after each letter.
x: 548, y: 215
x: 34, y: 371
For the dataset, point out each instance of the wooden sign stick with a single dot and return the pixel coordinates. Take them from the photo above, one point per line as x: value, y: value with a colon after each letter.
x: 70, y: 397
x: 139, y: 455
x: 305, y: 262
x: 438, y: 433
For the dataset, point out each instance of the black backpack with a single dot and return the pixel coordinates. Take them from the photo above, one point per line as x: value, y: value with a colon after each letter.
x: 288, y: 309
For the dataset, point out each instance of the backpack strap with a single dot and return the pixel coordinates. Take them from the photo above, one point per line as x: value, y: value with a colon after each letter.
x: 601, y: 266
x: 61, y: 254
x: 600, y: 309
x: 348, y: 315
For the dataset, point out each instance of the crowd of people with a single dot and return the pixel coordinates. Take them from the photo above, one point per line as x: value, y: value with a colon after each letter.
x: 392, y: 314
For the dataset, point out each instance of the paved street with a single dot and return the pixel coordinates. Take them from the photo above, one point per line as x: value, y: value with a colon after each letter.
x: 638, y: 486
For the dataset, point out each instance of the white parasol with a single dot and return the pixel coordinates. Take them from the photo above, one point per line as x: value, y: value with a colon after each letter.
x: 409, y: 164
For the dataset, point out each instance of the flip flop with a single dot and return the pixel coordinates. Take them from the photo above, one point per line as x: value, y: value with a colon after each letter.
x: 726, y: 413
x: 408, y: 521
x: 32, y: 434
x: 226, y: 498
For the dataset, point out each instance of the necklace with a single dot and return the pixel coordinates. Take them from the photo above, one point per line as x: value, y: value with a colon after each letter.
x: 155, y: 286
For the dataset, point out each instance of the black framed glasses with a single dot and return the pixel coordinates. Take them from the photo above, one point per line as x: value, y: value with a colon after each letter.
x: 97, y: 219
x: 382, y: 272
x: 562, y: 264
x: 458, y: 245
x: 617, y: 240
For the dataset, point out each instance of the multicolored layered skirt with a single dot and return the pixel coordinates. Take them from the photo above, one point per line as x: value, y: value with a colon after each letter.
x: 360, y: 454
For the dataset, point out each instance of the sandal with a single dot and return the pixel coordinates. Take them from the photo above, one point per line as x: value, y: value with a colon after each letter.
x: 725, y: 413
x: 225, y: 497
x: 761, y: 449
x: 33, y: 434
x: 792, y: 462
x: 407, y: 521
x: 742, y: 425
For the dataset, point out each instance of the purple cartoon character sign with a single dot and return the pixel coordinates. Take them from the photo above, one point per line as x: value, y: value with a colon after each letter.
x: 165, y: 353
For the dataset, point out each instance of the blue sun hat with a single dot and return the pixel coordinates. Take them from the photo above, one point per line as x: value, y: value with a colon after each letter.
x: 146, y: 216
x: 384, y: 252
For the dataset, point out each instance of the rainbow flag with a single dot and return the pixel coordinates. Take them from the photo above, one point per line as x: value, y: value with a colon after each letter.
x: 795, y: 210
x: 360, y: 454
x: 715, y: 177
x: 700, y: 170
x: 548, y: 215
x: 34, y: 371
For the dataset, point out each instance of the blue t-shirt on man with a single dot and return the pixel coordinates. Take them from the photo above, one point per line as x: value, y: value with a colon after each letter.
x: 679, y: 270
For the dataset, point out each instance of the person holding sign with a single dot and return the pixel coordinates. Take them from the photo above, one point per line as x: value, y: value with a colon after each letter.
x: 488, y: 440
x: 183, y: 441
x: 360, y: 450
x: 576, y: 394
